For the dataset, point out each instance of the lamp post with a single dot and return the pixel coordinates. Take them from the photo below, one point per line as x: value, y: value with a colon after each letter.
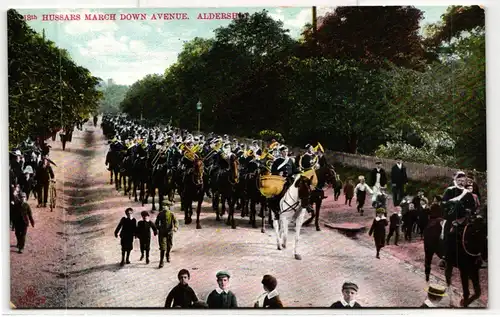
x: 198, y: 108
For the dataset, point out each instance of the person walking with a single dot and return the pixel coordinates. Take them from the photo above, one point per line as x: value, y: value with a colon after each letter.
x: 144, y: 228
x: 360, y: 191
x: 348, y: 192
x: 378, y: 230
x: 167, y: 224
x: 23, y: 217
x: 127, y: 229
x: 395, y: 223
x: 222, y: 297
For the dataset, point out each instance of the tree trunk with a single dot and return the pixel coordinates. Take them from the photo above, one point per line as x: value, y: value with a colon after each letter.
x: 352, y: 145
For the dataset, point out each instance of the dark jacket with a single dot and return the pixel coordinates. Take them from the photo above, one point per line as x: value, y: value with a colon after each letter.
x: 399, y: 176
x: 274, y: 302
x: 181, y: 295
x: 373, y: 177
x: 338, y: 304
x: 378, y: 231
x: 222, y: 300
x: 143, y: 230
x: 395, y: 221
x: 126, y: 228
x: 44, y: 174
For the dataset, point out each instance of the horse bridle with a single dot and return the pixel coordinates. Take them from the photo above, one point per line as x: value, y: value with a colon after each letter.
x: 463, y: 243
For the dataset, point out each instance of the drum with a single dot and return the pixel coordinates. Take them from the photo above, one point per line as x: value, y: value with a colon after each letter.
x: 271, y: 185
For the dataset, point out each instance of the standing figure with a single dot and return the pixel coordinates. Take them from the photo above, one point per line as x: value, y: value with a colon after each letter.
x: 22, y: 218
x: 378, y: 178
x: 378, y: 230
x: 395, y: 223
x: 167, y: 224
x: 399, y: 179
x: 360, y: 191
x: 271, y: 298
x: 43, y: 175
x: 182, y: 295
x: 349, y: 292
x: 127, y: 230
x: 144, y: 227
x: 337, y: 188
x: 348, y: 192
x: 222, y: 297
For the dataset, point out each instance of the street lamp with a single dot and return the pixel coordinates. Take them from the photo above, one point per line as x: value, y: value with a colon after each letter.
x: 198, y: 108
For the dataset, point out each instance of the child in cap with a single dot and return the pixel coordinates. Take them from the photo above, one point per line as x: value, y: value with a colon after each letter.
x: 182, y: 295
x: 144, y: 228
x: 378, y: 230
x: 435, y: 294
x: 222, y: 297
x: 349, y: 292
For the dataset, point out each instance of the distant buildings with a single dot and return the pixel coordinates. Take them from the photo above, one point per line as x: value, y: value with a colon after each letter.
x: 110, y: 82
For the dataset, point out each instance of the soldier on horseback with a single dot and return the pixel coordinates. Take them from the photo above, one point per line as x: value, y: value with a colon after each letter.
x: 308, y: 160
x: 284, y: 166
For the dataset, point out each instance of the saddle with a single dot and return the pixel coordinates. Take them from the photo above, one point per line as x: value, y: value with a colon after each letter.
x: 271, y: 185
x: 311, y: 174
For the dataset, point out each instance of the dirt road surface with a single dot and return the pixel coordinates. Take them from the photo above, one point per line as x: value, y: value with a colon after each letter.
x: 72, y: 258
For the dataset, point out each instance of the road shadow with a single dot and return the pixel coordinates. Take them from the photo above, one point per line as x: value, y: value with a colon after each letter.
x: 87, y: 153
x: 88, y: 221
x: 115, y: 267
x: 80, y: 233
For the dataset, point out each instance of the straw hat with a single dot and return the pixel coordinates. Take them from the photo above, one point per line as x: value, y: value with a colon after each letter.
x: 436, y: 290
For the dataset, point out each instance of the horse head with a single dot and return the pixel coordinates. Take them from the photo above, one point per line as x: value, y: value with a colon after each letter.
x: 304, y: 186
x: 235, y: 170
x: 198, y: 169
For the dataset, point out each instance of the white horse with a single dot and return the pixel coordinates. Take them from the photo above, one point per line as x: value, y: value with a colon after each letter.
x: 292, y: 208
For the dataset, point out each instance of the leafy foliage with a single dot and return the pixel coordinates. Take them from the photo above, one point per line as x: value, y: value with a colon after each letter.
x: 113, y: 95
x: 363, y: 83
x: 47, y: 90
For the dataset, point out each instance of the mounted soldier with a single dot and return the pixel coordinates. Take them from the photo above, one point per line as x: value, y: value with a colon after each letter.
x: 308, y: 160
x: 284, y: 166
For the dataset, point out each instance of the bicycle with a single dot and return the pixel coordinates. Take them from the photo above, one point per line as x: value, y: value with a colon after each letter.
x: 52, y: 195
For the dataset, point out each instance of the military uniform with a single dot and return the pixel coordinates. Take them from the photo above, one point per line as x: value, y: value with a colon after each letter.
x: 307, y: 161
x: 166, y: 224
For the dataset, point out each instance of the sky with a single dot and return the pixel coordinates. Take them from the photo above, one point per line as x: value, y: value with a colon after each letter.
x: 128, y: 50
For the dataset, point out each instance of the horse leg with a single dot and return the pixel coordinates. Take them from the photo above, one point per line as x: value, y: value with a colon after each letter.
x: 428, y: 261
x: 284, y: 234
x: 262, y: 209
x: 318, y: 207
x: 141, y: 192
x: 278, y: 230
x: 232, y: 202
x: 111, y: 177
x: 223, y: 209
x: 464, y: 278
x: 198, y: 210
x: 253, y: 214
x: 298, y: 225
x: 308, y: 221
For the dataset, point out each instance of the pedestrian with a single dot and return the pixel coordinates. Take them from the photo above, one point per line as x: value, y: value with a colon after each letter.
x: 167, y: 224
x: 23, y: 217
x: 182, y: 295
x: 360, y: 191
x: 348, y: 192
x: 143, y: 232
x: 348, y: 300
x: 222, y: 297
x: 26, y: 182
x: 399, y: 179
x: 271, y: 298
x: 127, y: 230
x: 378, y: 230
x: 43, y: 175
x: 378, y: 178
x: 337, y: 188
x: 435, y: 294
x: 395, y: 223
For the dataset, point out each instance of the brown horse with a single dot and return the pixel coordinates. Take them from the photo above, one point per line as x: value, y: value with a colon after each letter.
x: 325, y: 175
x: 193, y: 190
x: 228, y: 184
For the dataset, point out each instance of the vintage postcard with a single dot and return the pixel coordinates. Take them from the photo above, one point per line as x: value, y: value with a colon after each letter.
x: 281, y: 157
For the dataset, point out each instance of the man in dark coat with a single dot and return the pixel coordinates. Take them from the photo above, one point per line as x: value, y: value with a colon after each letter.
x: 144, y: 228
x: 43, y: 175
x: 284, y: 166
x: 378, y: 176
x: 395, y: 223
x: 22, y: 218
x: 127, y: 230
x: 182, y: 295
x: 222, y: 297
x: 349, y: 292
x: 167, y: 224
x: 399, y: 179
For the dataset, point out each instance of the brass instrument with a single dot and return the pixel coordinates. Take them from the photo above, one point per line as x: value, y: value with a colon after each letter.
x: 190, y: 154
x: 215, y: 149
x: 319, y: 147
x: 159, y: 154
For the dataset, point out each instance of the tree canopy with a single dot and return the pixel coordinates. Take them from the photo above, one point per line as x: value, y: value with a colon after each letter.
x: 47, y: 90
x: 366, y: 82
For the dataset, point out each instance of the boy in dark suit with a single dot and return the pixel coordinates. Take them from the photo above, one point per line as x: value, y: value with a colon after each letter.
x: 349, y: 292
x: 395, y: 223
x: 399, y: 179
x: 144, y: 227
x: 182, y: 295
x: 222, y: 297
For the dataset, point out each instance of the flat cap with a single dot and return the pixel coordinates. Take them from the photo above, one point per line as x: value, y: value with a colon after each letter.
x: 222, y: 274
x: 350, y: 285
